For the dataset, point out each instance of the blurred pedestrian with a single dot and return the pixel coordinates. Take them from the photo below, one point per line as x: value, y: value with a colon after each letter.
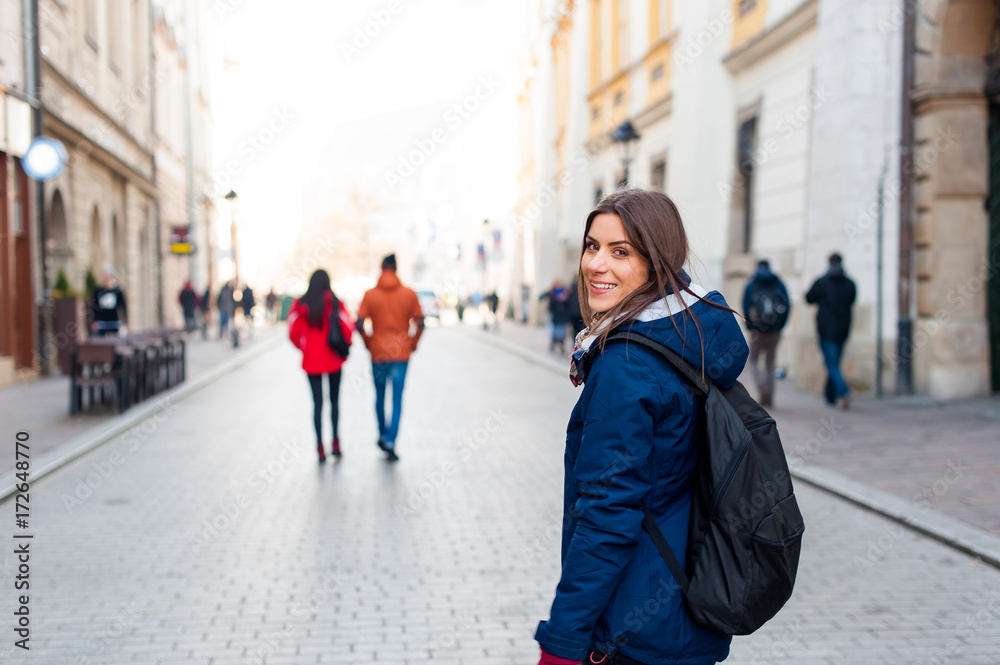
x: 834, y: 293
x: 493, y: 303
x: 205, y: 304
x: 632, y: 441
x: 248, y: 302
x: 309, y: 329
x: 269, y: 302
x: 109, y: 313
x: 558, y: 297
x: 189, y: 303
x: 765, y: 307
x: 392, y: 309
x: 226, y: 304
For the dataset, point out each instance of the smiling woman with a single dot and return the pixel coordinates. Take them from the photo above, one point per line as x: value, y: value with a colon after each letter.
x: 631, y: 441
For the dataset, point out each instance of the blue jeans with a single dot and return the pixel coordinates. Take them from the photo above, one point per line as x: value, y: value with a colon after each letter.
x: 396, y: 372
x: 836, y: 386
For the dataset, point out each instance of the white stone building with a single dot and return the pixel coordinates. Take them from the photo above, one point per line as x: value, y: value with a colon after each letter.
x: 771, y: 123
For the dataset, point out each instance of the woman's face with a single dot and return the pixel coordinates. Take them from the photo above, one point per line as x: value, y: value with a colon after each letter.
x: 612, y: 267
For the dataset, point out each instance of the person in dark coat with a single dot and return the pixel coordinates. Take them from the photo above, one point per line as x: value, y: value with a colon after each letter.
x: 632, y: 442
x: 308, y: 328
x: 765, y: 307
x: 109, y: 312
x: 558, y: 297
x: 189, y: 303
x: 226, y: 303
x: 834, y: 293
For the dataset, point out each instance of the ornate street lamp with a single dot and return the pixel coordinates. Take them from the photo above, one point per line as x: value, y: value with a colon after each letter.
x: 626, y: 136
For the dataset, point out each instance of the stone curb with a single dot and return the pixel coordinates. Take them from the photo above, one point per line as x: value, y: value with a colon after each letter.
x: 948, y: 530
x: 76, y: 447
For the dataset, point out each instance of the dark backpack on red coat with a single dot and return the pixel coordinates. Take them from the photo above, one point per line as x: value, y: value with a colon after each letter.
x: 745, y: 533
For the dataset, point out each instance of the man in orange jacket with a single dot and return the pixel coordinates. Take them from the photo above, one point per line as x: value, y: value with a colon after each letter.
x: 392, y: 309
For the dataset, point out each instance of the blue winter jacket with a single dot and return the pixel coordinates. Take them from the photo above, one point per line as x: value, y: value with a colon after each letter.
x: 631, y: 441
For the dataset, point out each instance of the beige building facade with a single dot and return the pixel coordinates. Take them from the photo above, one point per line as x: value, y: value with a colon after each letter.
x: 774, y: 125
x: 98, y: 82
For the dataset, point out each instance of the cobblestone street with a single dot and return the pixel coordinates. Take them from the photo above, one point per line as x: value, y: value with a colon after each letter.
x: 210, y: 535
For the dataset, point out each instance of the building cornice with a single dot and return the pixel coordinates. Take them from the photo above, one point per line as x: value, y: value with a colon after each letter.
x: 51, y: 70
x: 802, y: 19
x: 72, y: 136
x: 935, y: 97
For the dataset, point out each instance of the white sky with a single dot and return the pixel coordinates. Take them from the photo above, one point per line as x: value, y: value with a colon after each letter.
x: 352, y: 120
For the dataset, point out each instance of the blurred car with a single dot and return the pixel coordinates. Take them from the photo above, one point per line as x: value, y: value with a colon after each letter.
x: 430, y: 304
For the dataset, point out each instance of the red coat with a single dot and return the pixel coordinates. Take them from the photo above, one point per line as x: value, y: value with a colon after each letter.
x: 317, y: 356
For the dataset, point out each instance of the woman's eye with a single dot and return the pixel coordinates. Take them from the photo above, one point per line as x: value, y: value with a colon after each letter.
x: 621, y: 252
x: 591, y: 246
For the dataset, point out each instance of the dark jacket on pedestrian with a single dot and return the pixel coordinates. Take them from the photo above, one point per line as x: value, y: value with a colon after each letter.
x: 765, y: 280
x: 226, y: 300
x: 317, y: 356
x: 108, y: 305
x: 558, y: 298
x: 248, y: 301
x: 188, y: 300
x: 834, y: 292
x: 632, y: 441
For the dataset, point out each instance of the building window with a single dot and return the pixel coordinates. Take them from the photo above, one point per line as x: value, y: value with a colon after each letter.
x: 595, y: 113
x: 619, y: 98
x: 657, y: 73
x: 658, y: 174
x: 598, y: 193
x: 746, y: 6
x: 17, y: 225
x: 743, y: 191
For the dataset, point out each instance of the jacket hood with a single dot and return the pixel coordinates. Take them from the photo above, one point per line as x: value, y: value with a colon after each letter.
x: 389, y: 280
x: 764, y: 276
x: 711, y: 335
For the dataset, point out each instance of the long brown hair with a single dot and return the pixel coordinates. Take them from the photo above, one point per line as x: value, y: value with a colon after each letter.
x: 653, y: 226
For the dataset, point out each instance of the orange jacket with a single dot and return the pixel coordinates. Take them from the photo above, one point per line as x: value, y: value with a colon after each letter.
x: 391, y: 308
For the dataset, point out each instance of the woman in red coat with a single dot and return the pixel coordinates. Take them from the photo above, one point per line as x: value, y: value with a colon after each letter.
x: 308, y: 328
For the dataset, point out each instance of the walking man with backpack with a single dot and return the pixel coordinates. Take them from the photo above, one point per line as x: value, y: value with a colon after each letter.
x: 765, y: 306
x: 834, y: 292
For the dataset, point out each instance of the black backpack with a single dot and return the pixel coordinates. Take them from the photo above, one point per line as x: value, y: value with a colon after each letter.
x: 769, y: 307
x: 335, y: 337
x: 745, y: 533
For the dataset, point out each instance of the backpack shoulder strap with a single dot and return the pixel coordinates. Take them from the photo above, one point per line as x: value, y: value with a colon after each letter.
x: 676, y: 361
x: 676, y: 569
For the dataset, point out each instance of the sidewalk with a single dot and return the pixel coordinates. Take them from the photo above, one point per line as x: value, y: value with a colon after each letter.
x: 41, y: 407
x: 934, y: 465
